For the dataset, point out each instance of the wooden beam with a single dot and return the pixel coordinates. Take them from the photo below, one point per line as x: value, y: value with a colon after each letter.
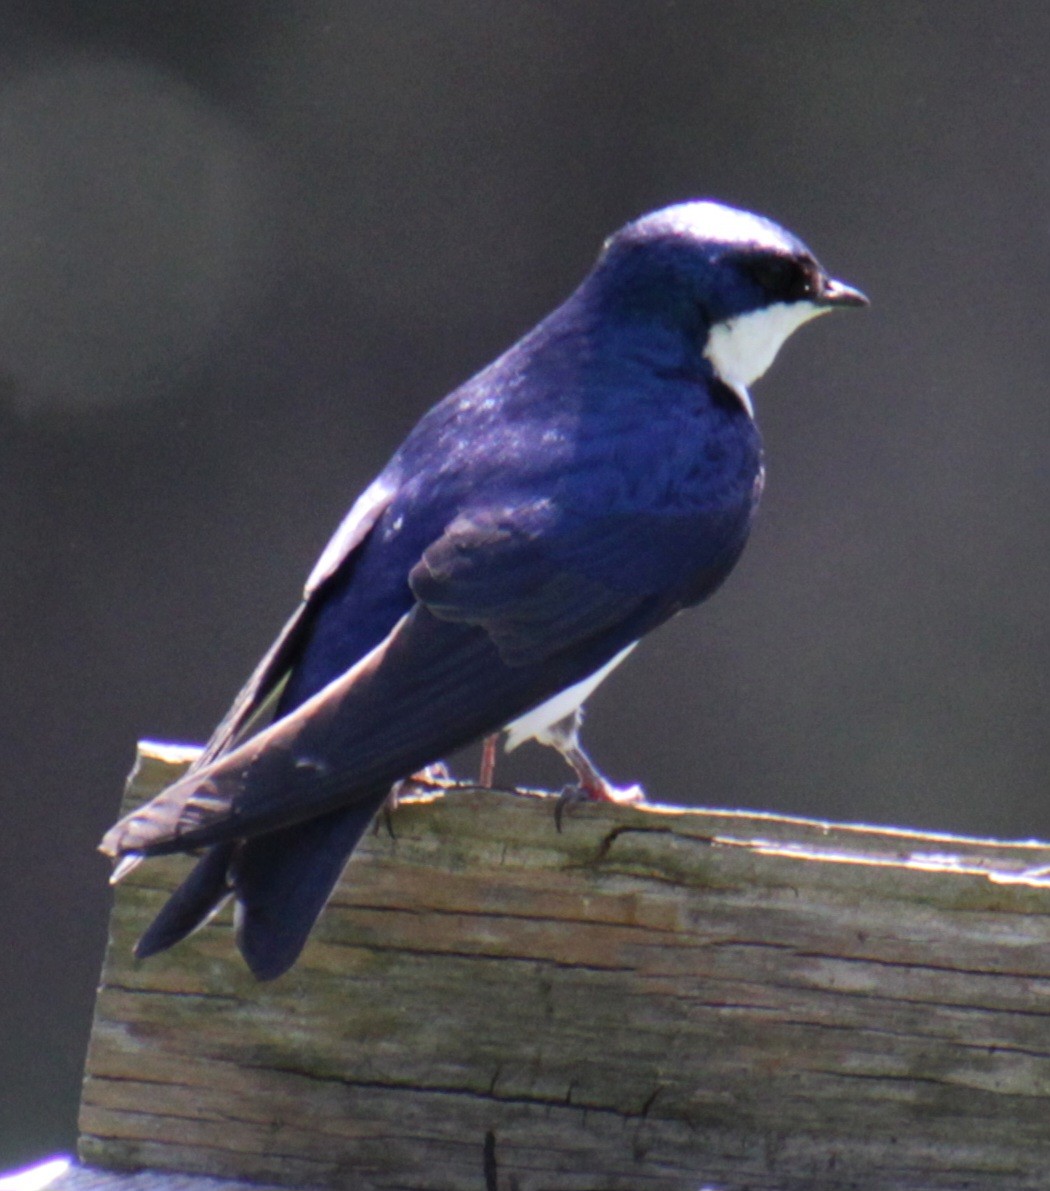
x: 654, y: 997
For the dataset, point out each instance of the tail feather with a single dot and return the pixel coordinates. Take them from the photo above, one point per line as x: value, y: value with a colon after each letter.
x: 283, y: 880
x: 281, y: 883
x: 192, y: 904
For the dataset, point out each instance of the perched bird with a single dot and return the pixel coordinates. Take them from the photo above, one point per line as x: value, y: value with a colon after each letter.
x: 593, y: 481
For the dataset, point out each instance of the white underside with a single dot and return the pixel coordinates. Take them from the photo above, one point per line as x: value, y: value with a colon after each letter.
x: 741, y: 349
x: 537, y: 723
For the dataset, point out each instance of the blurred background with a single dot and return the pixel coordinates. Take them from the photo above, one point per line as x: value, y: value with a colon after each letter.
x: 244, y: 245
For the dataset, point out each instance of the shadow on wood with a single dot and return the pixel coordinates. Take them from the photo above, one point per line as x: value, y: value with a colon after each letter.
x: 652, y: 998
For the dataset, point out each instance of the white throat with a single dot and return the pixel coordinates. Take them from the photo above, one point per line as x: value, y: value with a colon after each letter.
x: 742, y: 348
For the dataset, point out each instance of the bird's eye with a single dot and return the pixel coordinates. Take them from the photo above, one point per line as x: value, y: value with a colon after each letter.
x: 782, y: 277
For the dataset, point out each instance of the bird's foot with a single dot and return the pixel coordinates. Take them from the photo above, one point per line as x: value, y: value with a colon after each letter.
x: 595, y: 789
x: 436, y: 776
x: 425, y: 781
x: 605, y: 791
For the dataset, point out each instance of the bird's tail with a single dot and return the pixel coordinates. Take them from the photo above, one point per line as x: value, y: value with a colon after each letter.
x: 281, y: 882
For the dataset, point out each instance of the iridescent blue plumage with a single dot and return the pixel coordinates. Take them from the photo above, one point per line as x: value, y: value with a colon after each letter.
x: 592, y: 482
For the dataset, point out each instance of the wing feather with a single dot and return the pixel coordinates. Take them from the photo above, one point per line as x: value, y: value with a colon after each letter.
x: 512, y: 608
x: 261, y: 693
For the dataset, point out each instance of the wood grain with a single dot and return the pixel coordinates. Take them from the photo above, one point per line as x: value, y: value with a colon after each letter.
x: 652, y: 998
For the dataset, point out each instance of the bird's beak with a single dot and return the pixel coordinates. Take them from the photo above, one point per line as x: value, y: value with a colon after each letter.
x: 838, y: 293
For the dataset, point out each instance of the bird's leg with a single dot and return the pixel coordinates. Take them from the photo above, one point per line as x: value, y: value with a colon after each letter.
x: 591, y: 785
x: 488, y: 761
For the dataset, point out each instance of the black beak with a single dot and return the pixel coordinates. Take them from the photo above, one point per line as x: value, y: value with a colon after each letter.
x: 838, y: 293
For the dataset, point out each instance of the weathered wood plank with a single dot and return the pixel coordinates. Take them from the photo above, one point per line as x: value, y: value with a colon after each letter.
x: 653, y: 998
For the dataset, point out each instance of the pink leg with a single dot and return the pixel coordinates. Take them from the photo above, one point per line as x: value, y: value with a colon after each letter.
x: 591, y: 784
x: 488, y: 761
x: 594, y: 785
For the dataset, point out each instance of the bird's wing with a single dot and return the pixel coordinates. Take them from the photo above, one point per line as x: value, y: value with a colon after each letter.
x: 514, y: 604
x: 255, y: 702
x: 540, y: 580
x: 537, y: 582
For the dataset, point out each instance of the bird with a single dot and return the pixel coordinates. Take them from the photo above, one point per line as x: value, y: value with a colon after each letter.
x: 598, y: 478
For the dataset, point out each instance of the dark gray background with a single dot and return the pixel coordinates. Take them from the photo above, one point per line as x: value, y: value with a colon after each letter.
x: 244, y: 245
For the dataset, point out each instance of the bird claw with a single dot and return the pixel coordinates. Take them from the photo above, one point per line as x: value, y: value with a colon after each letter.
x: 436, y: 776
x: 423, y: 781
x: 597, y: 791
x: 569, y: 796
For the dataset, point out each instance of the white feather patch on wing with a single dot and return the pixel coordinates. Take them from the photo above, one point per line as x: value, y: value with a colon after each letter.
x: 536, y: 724
x: 362, y: 516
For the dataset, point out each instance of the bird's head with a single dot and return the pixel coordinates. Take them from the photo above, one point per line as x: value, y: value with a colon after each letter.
x: 736, y: 283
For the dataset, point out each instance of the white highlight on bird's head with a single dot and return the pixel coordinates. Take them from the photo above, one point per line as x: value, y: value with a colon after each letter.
x: 715, y: 223
x: 742, y: 348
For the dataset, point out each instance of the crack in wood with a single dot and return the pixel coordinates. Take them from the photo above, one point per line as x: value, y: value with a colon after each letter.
x: 488, y: 1162
x: 487, y: 1094
x: 471, y: 913
x: 541, y: 961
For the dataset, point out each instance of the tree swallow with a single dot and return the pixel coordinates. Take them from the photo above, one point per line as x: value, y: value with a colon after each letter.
x: 592, y: 482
